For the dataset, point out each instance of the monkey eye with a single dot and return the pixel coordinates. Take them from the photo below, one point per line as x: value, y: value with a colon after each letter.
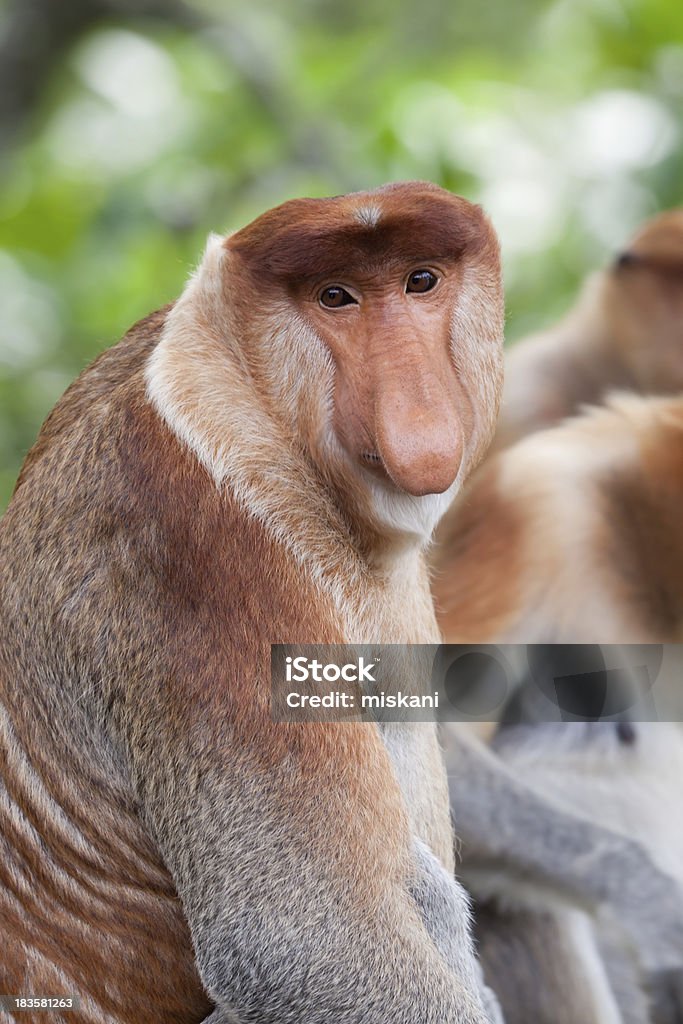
x: 625, y: 259
x: 421, y: 281
x: 336, y: 296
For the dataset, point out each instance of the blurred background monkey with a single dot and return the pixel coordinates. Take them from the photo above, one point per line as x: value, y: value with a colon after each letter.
x: 625, y: 331
x: 263, y: 461
x: 573, y: 535
x: 571, y: 838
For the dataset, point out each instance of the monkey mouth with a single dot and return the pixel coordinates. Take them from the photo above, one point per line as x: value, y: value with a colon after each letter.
x: 372, y: 458
x: 372, y: 461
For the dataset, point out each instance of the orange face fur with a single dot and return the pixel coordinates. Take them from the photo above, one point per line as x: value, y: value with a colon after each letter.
x: 377, y: 277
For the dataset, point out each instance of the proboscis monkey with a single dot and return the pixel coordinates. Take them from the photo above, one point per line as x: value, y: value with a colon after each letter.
x: 625, y: 331
x: 263, y: 461
x: 573, y: 536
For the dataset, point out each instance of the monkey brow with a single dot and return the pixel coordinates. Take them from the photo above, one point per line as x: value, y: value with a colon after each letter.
x: 306, y: 251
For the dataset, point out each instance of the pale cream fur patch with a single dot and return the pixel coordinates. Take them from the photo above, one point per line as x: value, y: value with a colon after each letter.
x: 552, y: 476
x: 199, y: 384
x: 368, y: 215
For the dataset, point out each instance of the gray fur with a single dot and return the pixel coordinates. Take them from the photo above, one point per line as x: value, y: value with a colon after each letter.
x: 527, y: 846
x: 445, y: 910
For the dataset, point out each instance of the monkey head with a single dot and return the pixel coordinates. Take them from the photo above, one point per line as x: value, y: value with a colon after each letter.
x: 371, y: 323
x: 644, y: 294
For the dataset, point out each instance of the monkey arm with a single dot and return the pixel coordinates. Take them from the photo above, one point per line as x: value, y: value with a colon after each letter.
x: 546, y: 967
x: 418, y: 762
x: 505, y: 826
x: 302, y: 895
x: 221, y: 1016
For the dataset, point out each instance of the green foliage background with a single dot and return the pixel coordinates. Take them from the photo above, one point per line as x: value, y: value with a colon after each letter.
x: 152, y: 127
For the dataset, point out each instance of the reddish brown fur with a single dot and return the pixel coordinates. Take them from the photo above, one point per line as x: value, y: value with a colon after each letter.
x: 308, y: 237
x: 643, y: 505
x: 473, y: 600
x: 120, y: 895
x: 124, y: 500
x: 397, y: 397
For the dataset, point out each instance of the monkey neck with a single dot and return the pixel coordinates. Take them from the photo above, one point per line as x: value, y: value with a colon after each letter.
x: 590, y: 342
